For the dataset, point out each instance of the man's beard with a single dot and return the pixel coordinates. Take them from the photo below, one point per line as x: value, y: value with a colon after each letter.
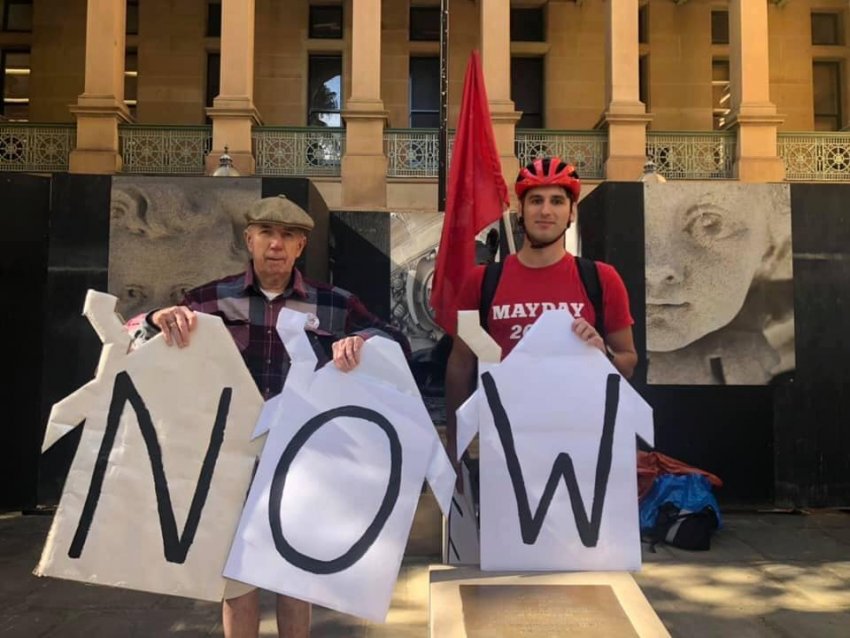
x: 540, y: 244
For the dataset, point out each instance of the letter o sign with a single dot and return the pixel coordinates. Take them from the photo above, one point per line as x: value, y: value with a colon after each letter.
x: 362, y: 545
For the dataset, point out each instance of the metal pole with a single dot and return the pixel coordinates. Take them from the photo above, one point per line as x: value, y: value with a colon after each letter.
x: 442, y: 137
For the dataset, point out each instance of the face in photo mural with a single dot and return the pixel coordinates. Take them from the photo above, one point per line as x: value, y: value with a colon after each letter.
x: 170, y: 234
x: 719, y: 295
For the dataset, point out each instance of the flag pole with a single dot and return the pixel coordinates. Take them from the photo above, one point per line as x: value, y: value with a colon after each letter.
x: 442, y: 136
x: 509, y: 230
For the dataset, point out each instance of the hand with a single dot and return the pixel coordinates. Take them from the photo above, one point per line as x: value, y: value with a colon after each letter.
x: 588, y: 334
x: 175, y: 323
x: 347, y: 353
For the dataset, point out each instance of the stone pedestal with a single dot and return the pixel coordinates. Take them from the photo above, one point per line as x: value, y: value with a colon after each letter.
x: 626, y: 125
x: 97, y: 148
x: 468, y: 603
x: 364, y: 165
x: 757, y: 159
x: 232, y: 124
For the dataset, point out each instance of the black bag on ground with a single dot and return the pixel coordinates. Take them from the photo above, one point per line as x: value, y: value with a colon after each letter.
x: 684, y: 529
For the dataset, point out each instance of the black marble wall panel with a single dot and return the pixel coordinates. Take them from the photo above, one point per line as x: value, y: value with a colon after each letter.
x: 78, y: 260
x: 24, y: 207
x: 812, y: 428
x: 360, y: 257
x: 727, y: 430
x: 611, y: 230
x: 314, y: 261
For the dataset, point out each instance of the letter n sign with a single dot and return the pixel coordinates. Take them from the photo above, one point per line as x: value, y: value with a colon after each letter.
x: 175, y: 545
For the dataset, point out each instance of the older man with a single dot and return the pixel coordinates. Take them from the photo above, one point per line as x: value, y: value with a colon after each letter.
x: 249, y: 303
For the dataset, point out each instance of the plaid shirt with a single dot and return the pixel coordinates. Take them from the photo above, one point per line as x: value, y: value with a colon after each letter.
x: 251, y: 319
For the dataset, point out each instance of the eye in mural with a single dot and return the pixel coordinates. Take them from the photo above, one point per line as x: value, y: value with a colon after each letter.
x: 719, y: 297
x: 168, y: 235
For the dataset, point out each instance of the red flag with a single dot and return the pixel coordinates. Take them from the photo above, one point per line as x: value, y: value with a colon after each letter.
x: 476, y: 196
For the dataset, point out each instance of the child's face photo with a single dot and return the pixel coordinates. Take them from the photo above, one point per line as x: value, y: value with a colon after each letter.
x: 705, y: 245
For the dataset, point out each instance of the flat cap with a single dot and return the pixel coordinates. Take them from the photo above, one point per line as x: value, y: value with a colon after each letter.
x: 279, y: 210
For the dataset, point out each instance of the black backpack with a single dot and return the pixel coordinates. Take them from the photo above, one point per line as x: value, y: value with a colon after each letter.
x: 682, y: 528
x: 587, y: 271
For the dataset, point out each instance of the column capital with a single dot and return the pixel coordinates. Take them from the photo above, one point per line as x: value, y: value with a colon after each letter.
x: 754, y: 119
x: 626, y: 110
x: 365, y: 110
x: 242, y: 110
x: 105, y: 106
x: 503, y: 109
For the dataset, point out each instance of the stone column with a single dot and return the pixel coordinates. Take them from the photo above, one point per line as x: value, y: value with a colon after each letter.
x: 233, y: 112
x: 364, y: 165
x: 100, y: 108
x: 754, y: 115
x: 625, y: 115
x: 496, y: 64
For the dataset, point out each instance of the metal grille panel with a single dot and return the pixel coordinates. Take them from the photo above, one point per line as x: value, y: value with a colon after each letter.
x: 164, y: 149
x: 815, y: 157
x: 309, y: 151
x: 36, y: 147
x: 584, y: 150
x: 413, y: 152
x: 692, y: 155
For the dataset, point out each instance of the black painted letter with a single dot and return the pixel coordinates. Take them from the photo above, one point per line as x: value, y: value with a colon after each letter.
x: 362, y: 545
x: 530, y: 525
x: 176, y: 545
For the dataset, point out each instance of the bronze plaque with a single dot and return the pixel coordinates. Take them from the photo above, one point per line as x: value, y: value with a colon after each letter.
x: 543, y: 611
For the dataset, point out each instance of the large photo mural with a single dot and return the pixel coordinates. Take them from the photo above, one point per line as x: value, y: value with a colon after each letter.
x: 719, y: 291
x: 170, y: 234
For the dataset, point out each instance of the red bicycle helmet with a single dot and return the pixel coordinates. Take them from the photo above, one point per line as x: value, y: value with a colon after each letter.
x: 546, y: 171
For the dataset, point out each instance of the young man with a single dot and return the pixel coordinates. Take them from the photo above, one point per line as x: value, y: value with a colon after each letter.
x: 249, y: 303
x: 541, y: 275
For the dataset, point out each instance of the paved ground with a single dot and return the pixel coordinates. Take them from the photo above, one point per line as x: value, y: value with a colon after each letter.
x: 767, y: 575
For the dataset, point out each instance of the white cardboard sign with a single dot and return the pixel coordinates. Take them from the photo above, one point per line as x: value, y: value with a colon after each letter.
x: 557, y: 427
x: 331, y: 506
x: 154, y: 493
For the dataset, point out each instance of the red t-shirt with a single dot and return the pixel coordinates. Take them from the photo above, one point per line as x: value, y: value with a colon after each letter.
x: 524, y: 293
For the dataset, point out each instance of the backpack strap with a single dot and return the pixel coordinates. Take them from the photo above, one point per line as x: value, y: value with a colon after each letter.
x: 589, y: 275
x: 492, y: 273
